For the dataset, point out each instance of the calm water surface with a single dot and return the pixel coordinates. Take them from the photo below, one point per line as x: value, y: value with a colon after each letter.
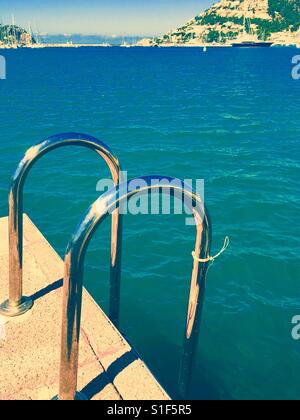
x: 231, y: 117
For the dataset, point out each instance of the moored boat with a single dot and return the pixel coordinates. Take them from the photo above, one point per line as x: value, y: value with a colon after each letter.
x: 252, y: 44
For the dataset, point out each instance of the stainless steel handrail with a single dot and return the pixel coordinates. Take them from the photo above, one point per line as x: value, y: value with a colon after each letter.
x: 73, y: 279
x: 17, y: 304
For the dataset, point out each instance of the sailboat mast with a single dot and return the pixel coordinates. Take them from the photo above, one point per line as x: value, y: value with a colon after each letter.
x: 13, y: 27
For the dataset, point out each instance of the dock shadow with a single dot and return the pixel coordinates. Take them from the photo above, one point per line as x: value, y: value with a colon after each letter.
x: 49, y: 289
x: 107, y: 377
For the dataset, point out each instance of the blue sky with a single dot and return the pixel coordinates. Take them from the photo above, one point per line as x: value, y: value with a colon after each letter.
x: 137, y: 17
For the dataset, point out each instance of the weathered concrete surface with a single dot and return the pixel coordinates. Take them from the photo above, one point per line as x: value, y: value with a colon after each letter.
x: 30, y: 345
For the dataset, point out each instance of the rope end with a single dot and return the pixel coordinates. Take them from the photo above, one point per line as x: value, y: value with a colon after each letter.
x: 212, y: 259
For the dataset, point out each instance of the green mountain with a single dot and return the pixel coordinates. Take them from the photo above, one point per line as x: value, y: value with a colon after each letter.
x: 224, y: 21
x: 12, y: 34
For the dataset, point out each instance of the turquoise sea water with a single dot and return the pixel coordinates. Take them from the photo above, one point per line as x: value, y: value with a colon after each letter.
x: 231, y: 117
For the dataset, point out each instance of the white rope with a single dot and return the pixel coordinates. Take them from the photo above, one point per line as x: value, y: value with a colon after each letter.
x: 212, y: 259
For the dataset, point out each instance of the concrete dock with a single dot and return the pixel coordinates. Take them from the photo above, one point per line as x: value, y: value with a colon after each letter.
x: 109, y: 369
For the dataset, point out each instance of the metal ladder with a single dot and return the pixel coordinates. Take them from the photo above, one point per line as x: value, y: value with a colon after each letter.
x: 109, y: 203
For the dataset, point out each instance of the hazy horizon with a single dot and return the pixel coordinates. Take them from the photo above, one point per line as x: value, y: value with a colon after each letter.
x: 101, y: 17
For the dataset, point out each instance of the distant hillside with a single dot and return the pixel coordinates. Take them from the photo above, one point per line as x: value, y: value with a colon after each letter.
x: 224, y: 21
x: 12, y: 34
x: 88, y: 39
